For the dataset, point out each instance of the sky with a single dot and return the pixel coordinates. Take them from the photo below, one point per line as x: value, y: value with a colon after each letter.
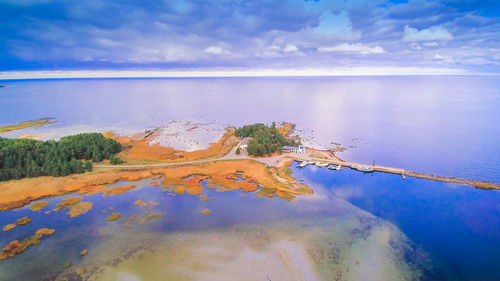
x: 293, y: 37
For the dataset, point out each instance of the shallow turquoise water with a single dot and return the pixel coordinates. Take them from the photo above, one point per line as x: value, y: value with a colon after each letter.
x: 230, y: 210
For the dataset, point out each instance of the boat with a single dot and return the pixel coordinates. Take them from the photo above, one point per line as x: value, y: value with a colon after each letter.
x: 303, y: 164
x: 331, y: 167
x: 321, y: 165
x: 338, y: 167
x: 403, y: 176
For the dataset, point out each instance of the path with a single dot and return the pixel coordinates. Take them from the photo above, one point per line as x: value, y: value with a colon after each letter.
x: 332, y: 159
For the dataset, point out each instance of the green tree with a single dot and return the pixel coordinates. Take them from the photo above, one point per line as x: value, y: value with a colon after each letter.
x: 20, y: 158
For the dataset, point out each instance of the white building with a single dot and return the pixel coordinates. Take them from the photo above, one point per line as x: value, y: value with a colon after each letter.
x: 295, y: 149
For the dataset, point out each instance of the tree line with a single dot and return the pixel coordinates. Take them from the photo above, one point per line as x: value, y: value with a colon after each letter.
x: 21, y: 158
x: 265, y: 139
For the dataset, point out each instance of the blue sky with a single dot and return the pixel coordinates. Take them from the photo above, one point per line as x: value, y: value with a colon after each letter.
x: 448, y: 35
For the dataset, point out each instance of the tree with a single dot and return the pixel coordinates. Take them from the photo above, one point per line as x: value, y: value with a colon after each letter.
x: 265, y: 140
x: 20, y: 158
x: 238, y: 151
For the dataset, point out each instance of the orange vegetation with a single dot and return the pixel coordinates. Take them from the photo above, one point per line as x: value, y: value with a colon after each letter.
x: 45, y: 231
x: 284, y: 171
x: 23, y: 221
x: 9, y: 226
x: 37, y: 206
x: 286, y: 129
x: 68, y: 202
x: 84, y: 252
x: 154, y: 183
x: 114, y: 216
x: 141, y: 220
x: 80, y: 208
x: 75, y: 206
x: 188, y: 183
x: 118, y: 190
x: 17, y: 193
x: 206, y: 211
x: 142, y: 149
x: 149, y: 205
x: 15, y: 247
x: 90, y: 190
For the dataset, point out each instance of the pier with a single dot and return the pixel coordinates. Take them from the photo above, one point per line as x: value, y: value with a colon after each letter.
x: 398, y: 171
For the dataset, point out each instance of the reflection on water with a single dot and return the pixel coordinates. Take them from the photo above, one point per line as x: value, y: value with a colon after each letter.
x: 311, y: 238
x: 458, y: 225
x: 394, y: 229
x: 440, y: 125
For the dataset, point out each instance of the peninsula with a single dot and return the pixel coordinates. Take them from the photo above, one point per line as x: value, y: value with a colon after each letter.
x: 233, y: 157
x: 27, y: 124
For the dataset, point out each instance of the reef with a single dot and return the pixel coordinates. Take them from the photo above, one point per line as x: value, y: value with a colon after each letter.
x: 114, y: 216
x: 118, y: 190
x: 27, y: 124
x: 23, y: 221
x: 148, y: 205
x: 75, y: 205
x: 37, y: 206
x: 15, y: 247
x: 142, y: 219
x: 10, y: 226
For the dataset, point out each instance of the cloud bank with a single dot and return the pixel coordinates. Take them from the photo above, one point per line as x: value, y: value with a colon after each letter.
x: 260, y: 35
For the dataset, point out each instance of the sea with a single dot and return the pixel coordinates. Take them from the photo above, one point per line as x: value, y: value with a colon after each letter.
x: 355, y: 226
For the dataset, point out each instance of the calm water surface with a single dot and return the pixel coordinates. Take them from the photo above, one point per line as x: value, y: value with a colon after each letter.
x: 440, y: 125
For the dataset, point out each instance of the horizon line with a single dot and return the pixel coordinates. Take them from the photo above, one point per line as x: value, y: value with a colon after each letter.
x: 362, y: 71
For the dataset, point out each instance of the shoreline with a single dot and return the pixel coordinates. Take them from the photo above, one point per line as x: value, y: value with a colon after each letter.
x: 329, y: 157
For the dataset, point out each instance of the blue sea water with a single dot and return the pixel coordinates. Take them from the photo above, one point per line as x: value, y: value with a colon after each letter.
x: 459, y: 226
x: 445, y: 125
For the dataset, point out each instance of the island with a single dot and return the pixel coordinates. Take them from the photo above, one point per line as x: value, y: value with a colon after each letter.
x: 253, y: 158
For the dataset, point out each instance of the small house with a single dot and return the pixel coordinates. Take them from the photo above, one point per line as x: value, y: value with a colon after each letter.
x: 295, y: 149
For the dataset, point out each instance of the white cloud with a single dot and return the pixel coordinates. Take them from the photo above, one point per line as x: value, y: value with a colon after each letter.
x: 216, y: 50
x: 340, y: 71
x: 353, y: 48
x: 290, y: 48
x: 434, y: 33
x: 431, y: 44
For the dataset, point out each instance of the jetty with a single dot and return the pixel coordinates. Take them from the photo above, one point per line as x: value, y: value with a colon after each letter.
x: 405, y: 173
